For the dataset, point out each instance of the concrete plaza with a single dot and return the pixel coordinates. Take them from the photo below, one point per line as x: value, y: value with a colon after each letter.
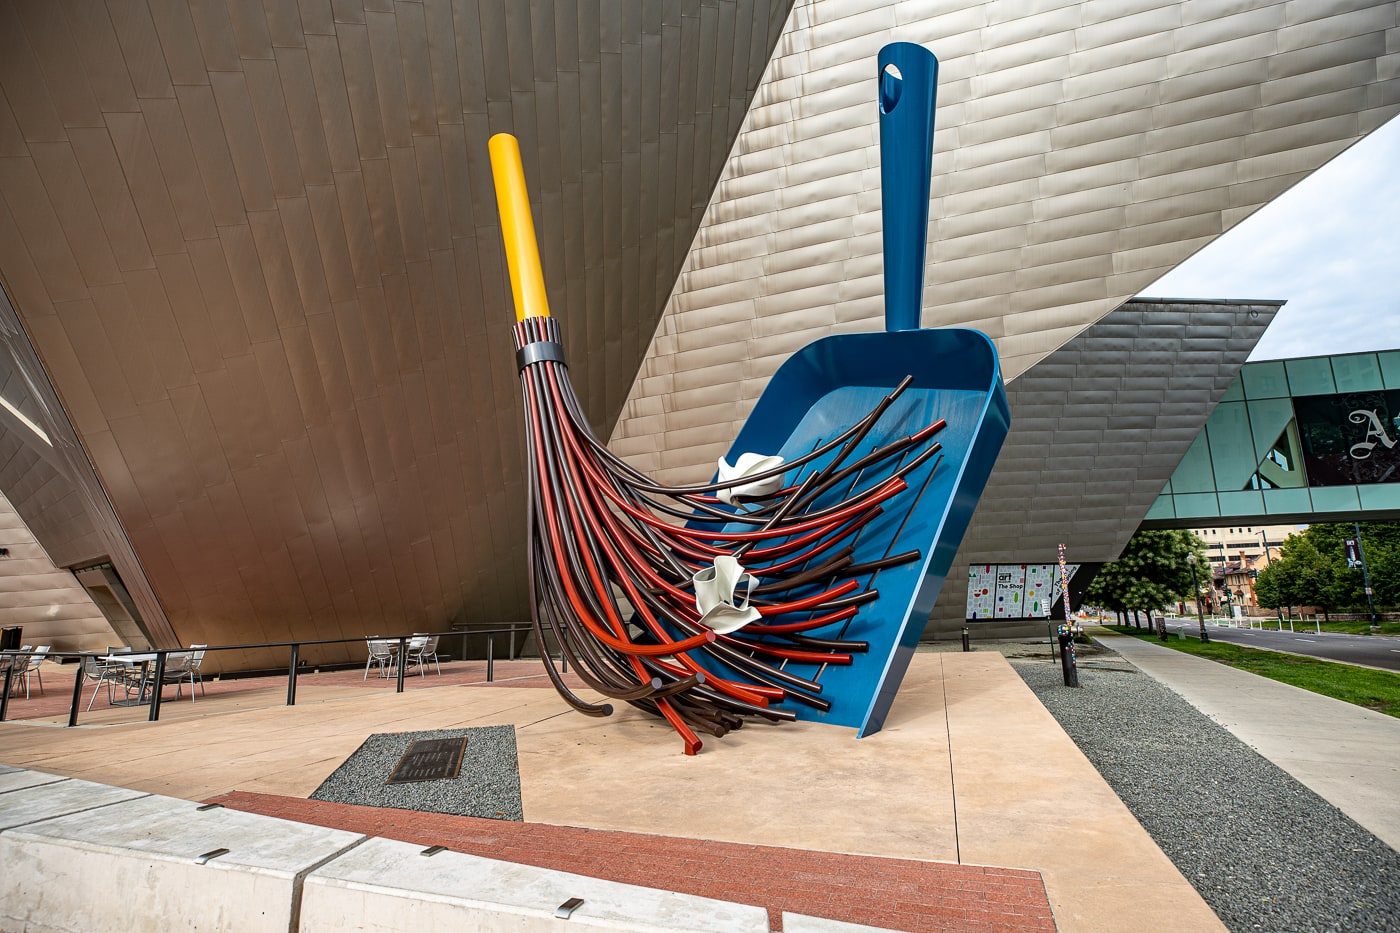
x: 970, y: 769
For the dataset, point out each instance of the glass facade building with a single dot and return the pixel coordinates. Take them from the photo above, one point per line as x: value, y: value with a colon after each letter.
x: 1295, y: 440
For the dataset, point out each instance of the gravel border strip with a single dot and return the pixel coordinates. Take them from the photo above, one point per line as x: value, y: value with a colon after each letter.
x: 1264, y: 851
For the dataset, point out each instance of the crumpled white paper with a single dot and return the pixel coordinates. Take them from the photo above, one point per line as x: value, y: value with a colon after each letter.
x: 722, y: 595
x: 747, y: 465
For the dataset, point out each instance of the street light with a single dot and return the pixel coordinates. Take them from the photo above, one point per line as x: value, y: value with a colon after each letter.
x: 1365, y: 577
x: 1196, y: 588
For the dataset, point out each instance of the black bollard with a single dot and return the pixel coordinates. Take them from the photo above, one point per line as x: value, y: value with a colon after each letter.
x: 1067, y: 660
x: 967, y: 644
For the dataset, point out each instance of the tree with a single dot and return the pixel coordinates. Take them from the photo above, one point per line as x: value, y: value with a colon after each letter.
x: 1312, y: 568
x: 1300, y: 576
x: 1385, y: 576
x: 1151, y: 572
x: 1268, y: 586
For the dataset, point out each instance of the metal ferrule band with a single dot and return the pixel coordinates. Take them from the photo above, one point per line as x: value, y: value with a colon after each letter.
x: 538, y: 352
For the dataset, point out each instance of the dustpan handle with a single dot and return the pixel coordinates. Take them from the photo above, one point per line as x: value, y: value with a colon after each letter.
x: 908, y: 84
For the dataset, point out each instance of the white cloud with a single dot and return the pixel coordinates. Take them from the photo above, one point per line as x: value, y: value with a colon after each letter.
x: 1329, y: 246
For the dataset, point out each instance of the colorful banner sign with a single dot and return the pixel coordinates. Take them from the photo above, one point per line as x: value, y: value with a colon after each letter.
x: 1014, y: 591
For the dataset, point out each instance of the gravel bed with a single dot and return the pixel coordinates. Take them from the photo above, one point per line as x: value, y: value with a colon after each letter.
x: 488, y: 784
x: 1264, y: 851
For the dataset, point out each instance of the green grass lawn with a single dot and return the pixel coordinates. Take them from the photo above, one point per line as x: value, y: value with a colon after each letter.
x: 1377, y: 690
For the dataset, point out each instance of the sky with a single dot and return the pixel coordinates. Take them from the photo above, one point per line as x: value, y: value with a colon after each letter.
x: 1330, y: 246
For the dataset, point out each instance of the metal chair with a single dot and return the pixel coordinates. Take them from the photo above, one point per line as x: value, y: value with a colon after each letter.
x: 177, y: 671
x: 380, y: 653
x: 413, y: 652
x: 32, y: 667
x: 422, y: 649
x: 123, y: 675
x: 95, y: 672
x: 193, y: 665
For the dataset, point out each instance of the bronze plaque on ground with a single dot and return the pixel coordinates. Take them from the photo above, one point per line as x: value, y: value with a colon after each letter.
x: 429, y: 760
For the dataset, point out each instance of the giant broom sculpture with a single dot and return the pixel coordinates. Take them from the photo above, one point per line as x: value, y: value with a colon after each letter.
x: 713, y: 603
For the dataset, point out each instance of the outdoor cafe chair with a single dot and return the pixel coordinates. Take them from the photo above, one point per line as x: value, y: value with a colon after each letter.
x: 422, y: 649
x: 193, y: 665
x: 381, y: 653
x: 96, y: 672
x: 35, y: 659
x: 128, y: 676
x: 177, y: 671
x: 413, y: 651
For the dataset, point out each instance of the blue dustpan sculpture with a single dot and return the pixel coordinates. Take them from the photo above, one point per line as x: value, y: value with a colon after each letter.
x: 832, y: 383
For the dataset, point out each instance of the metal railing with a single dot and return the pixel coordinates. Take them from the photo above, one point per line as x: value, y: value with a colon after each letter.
x: 14, y: 662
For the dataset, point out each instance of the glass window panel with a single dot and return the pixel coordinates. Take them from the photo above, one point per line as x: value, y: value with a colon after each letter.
x: 1164, y: 507
x: 1287, y: 502
x: 1193, y: 473
x: 1384, y: 496
x: 1335, y: 499
x: 1310, y: 377
x: 1264, y: 380
x: 1390, y: 368
x: 1359, y: 372
x: 1231, y: 452
x: 1197, y: 505
x: 1235, y: 393
x: 1268, y: 418
x: 1242, y: 503
x: 1281, y: 466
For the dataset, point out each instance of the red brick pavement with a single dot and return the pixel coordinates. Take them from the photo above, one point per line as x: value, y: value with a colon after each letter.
x: 899, y: 894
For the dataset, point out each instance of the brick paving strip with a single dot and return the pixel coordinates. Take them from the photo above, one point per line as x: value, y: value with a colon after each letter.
x: 898, y: 894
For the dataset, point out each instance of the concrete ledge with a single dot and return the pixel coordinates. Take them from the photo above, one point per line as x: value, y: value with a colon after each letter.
x: 15, y: 779
x: 44, y: 799
x: 81, y: 857
x: 390, y: 886
x: 130, y: 865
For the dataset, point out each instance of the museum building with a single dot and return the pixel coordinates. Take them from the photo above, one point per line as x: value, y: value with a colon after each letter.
x: 256, y: 361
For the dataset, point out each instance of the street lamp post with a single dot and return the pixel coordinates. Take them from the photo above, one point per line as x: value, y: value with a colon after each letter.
x: 1196, y: 589
x: 1365, y: 576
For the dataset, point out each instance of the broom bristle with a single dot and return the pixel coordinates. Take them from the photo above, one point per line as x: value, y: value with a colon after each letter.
x: 616, y: 560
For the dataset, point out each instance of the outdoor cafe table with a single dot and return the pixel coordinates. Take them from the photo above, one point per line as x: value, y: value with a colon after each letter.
x: 131, y: 660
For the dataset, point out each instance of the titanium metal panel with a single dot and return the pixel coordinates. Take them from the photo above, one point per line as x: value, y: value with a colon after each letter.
x: 257, y: 254
x: 1089, y: 488
x: 1081, y: 152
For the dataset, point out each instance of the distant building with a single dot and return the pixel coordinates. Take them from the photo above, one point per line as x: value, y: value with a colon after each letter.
x: 1236, y: 554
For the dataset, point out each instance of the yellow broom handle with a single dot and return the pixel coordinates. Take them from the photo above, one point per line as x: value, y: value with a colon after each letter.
x: 517, y: 228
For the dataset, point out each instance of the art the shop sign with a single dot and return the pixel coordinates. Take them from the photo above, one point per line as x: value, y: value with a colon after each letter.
x: 1350, y: 439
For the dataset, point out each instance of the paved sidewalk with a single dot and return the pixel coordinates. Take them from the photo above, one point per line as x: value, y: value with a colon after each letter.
x: 1348, y: 755
x: 970, y: 769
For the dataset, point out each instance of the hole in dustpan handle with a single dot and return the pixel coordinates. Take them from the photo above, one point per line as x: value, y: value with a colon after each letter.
x: 891, y: 83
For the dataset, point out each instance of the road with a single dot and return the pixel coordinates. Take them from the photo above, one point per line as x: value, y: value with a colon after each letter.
x: 1372, y: 650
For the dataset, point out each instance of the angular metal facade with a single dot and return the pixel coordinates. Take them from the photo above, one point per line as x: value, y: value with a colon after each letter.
x: 255, y: 247
x: 1096, y: 429
x: 1082, y: 150
x: 259, y: 297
